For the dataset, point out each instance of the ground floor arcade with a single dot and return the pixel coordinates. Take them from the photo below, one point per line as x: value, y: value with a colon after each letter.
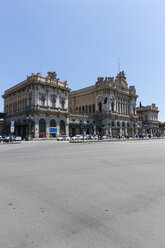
x: 38, y: 126
x: 108, y: 127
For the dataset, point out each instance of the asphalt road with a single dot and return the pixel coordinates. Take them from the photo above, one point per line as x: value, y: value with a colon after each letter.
x: 99, y: 195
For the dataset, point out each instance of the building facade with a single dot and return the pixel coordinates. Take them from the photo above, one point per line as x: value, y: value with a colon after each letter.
x: 110, y: 105
x: 38, y: 106
x: 148, y: 119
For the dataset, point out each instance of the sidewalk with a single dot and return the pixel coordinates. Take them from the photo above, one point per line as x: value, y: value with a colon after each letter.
x: 116, y: 140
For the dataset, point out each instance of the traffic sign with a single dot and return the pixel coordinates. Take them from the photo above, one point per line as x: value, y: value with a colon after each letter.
x: 12, y: 126
x: 12, y: 123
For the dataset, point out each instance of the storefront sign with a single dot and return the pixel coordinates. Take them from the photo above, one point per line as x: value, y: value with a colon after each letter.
x: 53, y: 130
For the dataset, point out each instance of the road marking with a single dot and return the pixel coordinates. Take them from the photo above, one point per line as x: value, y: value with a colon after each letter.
x: 11, y: 148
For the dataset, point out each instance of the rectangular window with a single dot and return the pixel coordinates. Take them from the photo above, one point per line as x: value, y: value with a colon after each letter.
x: 93, y: 108
x: 89, y: 108
x: 53, y: 104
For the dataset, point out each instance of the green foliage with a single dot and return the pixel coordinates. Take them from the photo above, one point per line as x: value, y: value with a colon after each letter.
x: 162, y: 124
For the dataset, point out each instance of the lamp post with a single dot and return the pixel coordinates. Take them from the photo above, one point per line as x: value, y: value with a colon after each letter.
x: 110, y: 131
x: 83, y: 122
x: 29, y: 118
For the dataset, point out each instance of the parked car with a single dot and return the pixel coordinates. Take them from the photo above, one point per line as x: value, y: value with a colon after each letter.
x: 105, y: 137
x: 1, y: 139
x: 16, y: 138
x: 60, y: 138
x: 6, y: 138
x: 66, y: 138
x: 78, y: 137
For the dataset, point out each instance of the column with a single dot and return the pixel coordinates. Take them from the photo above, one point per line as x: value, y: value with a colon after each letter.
x: 114, y: 105
x: 47, y: 130
x: 36, y: 132
x: 58, y: 128
x: 132, y: 131
x: 67, y: 127
x: 151, y: 130
x: 136, y: 132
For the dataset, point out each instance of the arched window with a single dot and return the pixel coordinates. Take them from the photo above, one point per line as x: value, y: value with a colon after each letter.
x: 90, y: 108
x: 118, y: 123
x: 62, y: 127
x: 30, y: 99
x: 100, y: 106
x: 113, y: 124
x: 42, y: 128
x: 112, y: 106
x: 105, y: 100
x: 123, y: 124
x: 128, y: 124
x: 86, y: 109
x: 93, y: 108
x: 53, y: 123
x: 42, y: 101
x: 62, y: 103
x: 53, y: 102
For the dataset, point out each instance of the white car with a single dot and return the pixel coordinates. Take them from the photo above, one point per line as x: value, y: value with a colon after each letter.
x: 17, y: 138
x: 105, y: 137
x: 78, y: 137
x: 66, y: 138
x: 60, y: 138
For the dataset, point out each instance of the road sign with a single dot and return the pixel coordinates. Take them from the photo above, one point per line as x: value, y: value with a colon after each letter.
x: 12, y: 126
x: 12, y: 123
x: 53, y: 130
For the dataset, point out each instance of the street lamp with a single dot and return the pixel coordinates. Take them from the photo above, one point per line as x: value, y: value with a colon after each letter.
x: 110, y: 130
x: 83, y: 123
x: 29, y: 118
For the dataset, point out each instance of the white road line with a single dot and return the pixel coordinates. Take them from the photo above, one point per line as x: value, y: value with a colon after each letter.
x: 11, y: 148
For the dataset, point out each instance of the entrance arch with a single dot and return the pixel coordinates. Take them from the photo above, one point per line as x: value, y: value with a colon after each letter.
x: 100, y: 106
x: 52, y: 124
x: 123, y: 124
x: 62, y: 127
x: 42, y: 128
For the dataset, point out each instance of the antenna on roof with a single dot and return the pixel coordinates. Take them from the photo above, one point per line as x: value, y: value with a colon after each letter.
x: 118, y: 65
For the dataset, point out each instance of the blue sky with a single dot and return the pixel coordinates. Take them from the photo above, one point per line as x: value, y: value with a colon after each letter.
x: 82, y: 39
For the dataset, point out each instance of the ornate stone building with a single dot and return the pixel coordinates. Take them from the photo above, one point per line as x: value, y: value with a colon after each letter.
x: 38, y: 105
x: 110, y: 105
x: 148, y: 119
